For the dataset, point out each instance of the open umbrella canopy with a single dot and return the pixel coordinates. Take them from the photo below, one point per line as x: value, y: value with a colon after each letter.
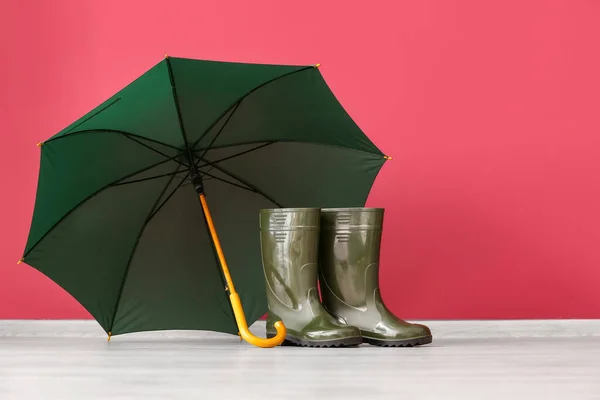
x: 117, y: 222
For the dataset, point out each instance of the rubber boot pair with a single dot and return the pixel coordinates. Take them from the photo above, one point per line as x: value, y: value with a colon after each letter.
x: 339, y: 250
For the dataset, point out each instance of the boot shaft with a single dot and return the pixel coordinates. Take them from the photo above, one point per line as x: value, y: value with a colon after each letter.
x: 290, y: 244
x: 350, y: 243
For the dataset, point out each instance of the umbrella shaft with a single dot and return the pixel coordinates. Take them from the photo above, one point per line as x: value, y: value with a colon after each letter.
x: 199, y: 186
x: 215, y: 238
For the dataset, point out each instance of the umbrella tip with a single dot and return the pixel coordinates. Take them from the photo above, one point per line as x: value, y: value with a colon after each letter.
x: 40, y: 144
x: 166, y: 56
x: 20, y: 261
x: 109, y: 335
x: 387, y: 157
x: 317, y: 65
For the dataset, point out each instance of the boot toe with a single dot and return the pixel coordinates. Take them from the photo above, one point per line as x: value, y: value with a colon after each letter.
x: 419, y: 330
x: 411, y: 331
x: 403, y: 335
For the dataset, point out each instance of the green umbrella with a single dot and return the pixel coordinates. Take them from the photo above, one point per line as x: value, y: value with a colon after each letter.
x: 117, y: 222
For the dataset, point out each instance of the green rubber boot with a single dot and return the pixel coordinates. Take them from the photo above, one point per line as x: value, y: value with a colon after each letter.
x: 290, y: 249
x: 350, y: 242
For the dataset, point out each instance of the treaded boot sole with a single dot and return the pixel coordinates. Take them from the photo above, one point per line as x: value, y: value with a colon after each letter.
x: 399, y: 343
x: 346, y: 342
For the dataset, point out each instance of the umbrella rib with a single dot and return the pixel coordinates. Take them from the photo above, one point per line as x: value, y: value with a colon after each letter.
x: 179, y: 117
x: 157, y: 209
x: 95, y: 194
x: 149, y: 178
x: 153, y: 149
x: 234, y: 155
x: 230, y: 183
x: 76, y: 133
x: 229, y: 157
x: 237, y: 178
x: 244, y: 96
x: 135, y: 247
x: 110, y: 104
x: 296, y: 141
x: 220, y: 130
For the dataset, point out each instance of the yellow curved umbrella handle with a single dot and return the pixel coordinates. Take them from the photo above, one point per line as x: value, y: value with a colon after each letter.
x: 236, y: 304
x: 245, y: 333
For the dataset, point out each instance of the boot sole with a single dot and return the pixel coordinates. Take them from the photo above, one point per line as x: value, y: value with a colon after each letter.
x: 399, y: 343
x: 346, y: 342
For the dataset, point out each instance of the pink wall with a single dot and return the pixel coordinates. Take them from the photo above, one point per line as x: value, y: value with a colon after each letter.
x: 490, y: 109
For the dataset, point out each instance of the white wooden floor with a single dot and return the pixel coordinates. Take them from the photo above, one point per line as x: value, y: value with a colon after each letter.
x: 468, y: 360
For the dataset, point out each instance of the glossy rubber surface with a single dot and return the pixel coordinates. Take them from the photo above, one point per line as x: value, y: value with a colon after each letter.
x: 350, y: 243
x: 290, y: 246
